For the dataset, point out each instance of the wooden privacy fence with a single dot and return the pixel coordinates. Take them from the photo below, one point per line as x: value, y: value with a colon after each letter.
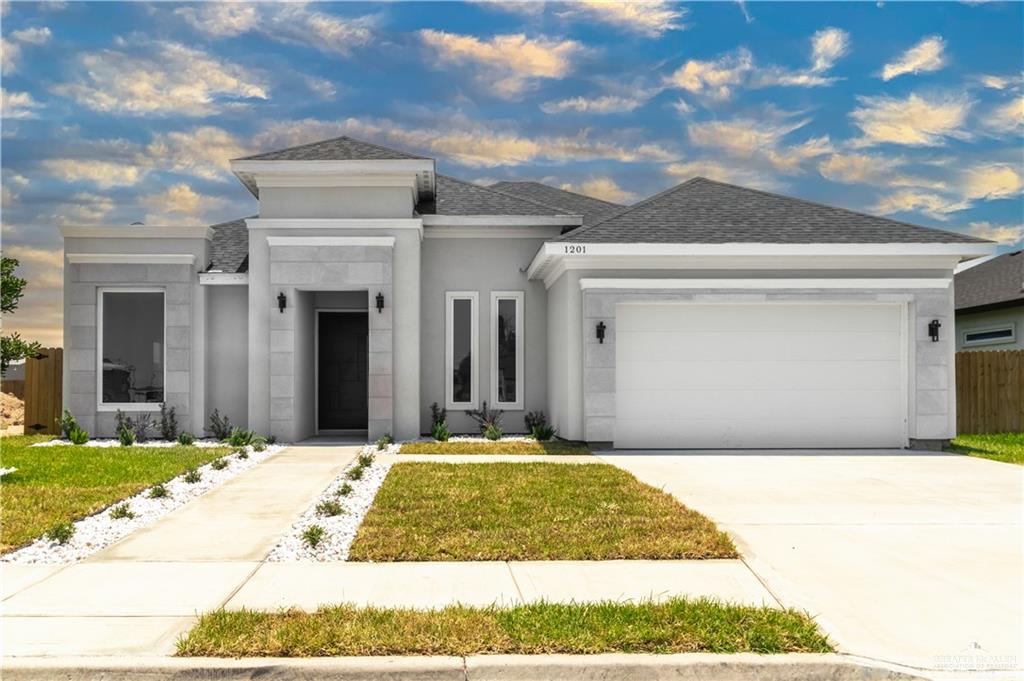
x: 44, y: 392
x: 990, y: 391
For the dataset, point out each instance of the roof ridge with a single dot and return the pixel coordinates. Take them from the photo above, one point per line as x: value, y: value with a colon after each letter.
x: 228, y: 222
x: 629, y: 209
x: 511, y: 196
x: 559, y: 189
x: 327, y: 140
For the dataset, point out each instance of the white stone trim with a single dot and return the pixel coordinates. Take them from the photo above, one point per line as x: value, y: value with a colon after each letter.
x: 126, y: 406
x: 131, y: 258
x: 817, y: 283
x: 136, y: 232
x: 367, y: 167
x: 224, y: 278
x: 449, y: 345
x: 388, y: 241
x: 455, y: 232
x: 502, y: 220
x: 335, y: 223
x: 519, y: 297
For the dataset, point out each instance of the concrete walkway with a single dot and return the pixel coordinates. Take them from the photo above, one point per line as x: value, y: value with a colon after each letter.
x: 909, y: 557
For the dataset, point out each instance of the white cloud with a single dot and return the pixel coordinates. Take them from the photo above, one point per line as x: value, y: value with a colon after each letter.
x: 160, y: 78
x: 873, y: 169
x: 1008, y: 117
x: 995, y: 82
x: 321, y: 87
x: 927, y: 55
x: 32, y: 36
x: 760, y: 141
x: 83, y: 209
x: 827, y: 47
x: 733, y: 173
x: 910, y: 201
x: 178, y: 204
x: 714, y: 79
x: 10, y: 47
x: 682, y: 107
x: 221, y: 19
x: 651, y: 18
x: 103, y: 174
x: 17, y: 104
x: 914, y: 121
x: 506, y: 64
x: 992, y: 181
x: 204, y: 151
x: 602, y: 188
x: 597, y: 105
x: 10, y: 53
x: 1007, y: 235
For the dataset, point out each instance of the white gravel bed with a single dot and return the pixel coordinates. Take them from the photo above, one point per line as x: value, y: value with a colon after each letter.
x: 7, y: 471
x: 112, y: 442
x: 100, y: 530
x: 340, y: 529
x: 480, y: 438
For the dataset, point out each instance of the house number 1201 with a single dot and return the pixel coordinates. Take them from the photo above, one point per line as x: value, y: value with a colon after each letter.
x: 575, y: 249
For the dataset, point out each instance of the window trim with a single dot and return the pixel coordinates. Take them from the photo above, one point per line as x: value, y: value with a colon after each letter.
x: 449, y: 347
x: 519, y: 297
x: 1008, y: 326
x: 126, y: 406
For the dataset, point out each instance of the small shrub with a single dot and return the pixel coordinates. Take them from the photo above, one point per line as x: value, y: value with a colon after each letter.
x: 186, y: 439
x: 121, y: 512
x: 437, y: 415
x: 141, y: 425
x: 271, y: 439
x: 355, y: 473
x: 344, y: 490
x: 440, y: 432
x: 220, y: 426
x: 485, y: 417
x: 242, y: 453
x: 78, y: 436
x: 543, y: 433
x: 158, y: 492
x: 384, y: 440
x: 67, y: 424
x: 126, y: 435
x: 493, y: 432
x: 313, y: 535
x: 168, y: 423
x: 61, y: 533
x: 239, y: 437
x: 259, y: 443
x: 534, y: 419
x: 329, y: 508
x: 366, y: 459
x: 219, y: 464
x: 192, y: 476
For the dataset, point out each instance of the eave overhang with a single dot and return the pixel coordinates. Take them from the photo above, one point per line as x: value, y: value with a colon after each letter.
x: 417, y: 174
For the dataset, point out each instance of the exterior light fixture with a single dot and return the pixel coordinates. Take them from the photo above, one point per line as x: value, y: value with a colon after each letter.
x: 933, y: 330
x: 282, y: 302
x: 380, y: 302
x: 600, y: 332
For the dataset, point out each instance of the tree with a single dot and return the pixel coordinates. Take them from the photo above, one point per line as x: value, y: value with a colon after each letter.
x: 12, y: 288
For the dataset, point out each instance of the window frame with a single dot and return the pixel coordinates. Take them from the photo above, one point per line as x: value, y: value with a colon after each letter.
x: 126, y: 406
x: 1008, y: 326
x: 449, y: 346
x: 519, y: 297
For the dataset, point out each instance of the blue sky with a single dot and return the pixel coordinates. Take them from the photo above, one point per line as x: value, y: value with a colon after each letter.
x: 123, y: 112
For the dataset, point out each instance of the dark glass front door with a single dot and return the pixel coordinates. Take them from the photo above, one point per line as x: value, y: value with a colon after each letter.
x: 342, y: 372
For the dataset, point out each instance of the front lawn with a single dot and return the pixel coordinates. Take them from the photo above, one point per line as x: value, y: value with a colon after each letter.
x: 526, y: 447
x: 529, y: 511
x: 67, y: 482
x: 1005, y: 447
x: 676, y: 626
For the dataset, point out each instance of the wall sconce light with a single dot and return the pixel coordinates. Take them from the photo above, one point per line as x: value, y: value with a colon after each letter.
x: 600, y: 332
x: 380, y: 302
x: 282, y: 302
x: 933, y: 330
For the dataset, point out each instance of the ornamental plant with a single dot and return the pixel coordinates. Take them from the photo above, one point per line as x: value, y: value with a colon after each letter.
x: 78, y: 436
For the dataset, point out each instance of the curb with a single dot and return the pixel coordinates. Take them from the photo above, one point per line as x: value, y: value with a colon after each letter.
x: 611, y: 667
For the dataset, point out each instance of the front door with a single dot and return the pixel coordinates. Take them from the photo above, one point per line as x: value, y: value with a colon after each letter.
x: 342, y: 371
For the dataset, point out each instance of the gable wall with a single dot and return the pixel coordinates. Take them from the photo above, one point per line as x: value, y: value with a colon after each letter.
x: 335, y: 202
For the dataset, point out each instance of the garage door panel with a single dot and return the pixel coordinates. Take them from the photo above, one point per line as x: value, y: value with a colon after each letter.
x: 758, y: 346
x: 728, y: 375
x: 757, y: 434
x: 743, y: 317
x: 756, y: 404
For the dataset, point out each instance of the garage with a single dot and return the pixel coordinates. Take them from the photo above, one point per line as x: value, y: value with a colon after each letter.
x: 760, y: 375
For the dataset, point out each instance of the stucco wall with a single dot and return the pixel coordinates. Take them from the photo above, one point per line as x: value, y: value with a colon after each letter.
x: 227, y: 347
x: 991, y: 318
x: 482, y: 265
x: 335, y: 202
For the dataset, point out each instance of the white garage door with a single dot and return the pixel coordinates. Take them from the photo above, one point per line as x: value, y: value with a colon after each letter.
x: 759, y: 375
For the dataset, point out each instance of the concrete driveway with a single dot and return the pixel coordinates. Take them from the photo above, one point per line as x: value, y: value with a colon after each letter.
x: 907, y: 557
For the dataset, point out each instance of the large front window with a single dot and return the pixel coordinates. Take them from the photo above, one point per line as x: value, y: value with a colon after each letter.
x: 507, y: 349
x: 131, y: 345
x: 461, y: 350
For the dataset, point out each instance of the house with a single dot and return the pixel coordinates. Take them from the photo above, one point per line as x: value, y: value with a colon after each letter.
x: 370, y: 286
x: 990, y: 304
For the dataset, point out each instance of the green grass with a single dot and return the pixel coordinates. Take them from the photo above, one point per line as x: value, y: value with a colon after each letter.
x: 529, y: 511
x: 676, y: 626
x: 525, y: 447
x: 1005, y: 447
x: 66, y: 482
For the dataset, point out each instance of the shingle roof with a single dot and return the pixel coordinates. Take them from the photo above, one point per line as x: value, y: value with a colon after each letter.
x: 999, y: 280
x: 342, y: 148
x: 455, y: 197
x: 229, y: 250
x: 704, y: 211
x: 590, y: 208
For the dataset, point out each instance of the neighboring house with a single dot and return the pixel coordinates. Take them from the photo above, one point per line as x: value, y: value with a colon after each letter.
x: 990, y: 304
x: 369, y: 287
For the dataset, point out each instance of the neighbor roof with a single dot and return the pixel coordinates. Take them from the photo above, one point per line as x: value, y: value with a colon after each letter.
x: 708, y: 212
x: 996, y: 282
x: 229, y: 250
x: 590, y: 208
x: 456, y: 197
x: 342, y: 148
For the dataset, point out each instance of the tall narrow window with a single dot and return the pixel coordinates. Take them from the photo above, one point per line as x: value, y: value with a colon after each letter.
x: 507, y: 349
x: 461, y: 342
x: 131, y: 348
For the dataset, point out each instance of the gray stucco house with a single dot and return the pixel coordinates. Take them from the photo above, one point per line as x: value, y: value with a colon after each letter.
x: 990, y: 304
x: 370, y: 286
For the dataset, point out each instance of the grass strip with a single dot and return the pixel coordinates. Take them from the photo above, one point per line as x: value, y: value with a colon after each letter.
x: 529, y: 511
x: 1005, y: 447
x: 517, y: 447
x: 674, y: 626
